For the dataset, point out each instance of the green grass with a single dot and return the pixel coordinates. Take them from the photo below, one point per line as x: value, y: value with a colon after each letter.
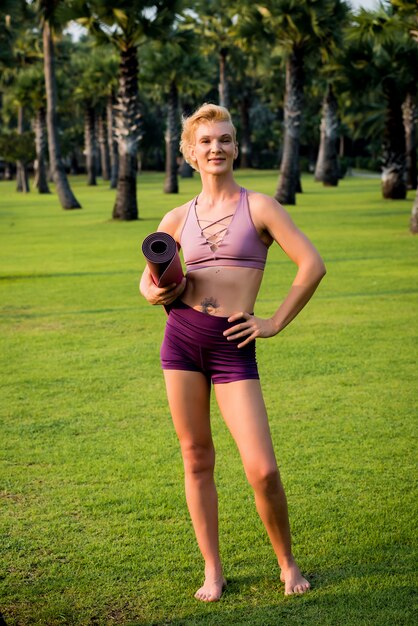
x: 94, y: 526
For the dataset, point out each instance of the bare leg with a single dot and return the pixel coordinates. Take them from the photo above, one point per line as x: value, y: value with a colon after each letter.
x: 188, y: 396
x: 242, y: 406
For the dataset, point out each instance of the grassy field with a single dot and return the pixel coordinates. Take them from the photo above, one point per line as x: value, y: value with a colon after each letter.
x: 94, y: 526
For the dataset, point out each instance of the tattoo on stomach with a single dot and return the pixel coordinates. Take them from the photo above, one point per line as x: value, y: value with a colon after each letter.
x: 209, y: 305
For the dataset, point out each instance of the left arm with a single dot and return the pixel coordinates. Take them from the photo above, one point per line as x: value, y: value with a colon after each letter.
x: 277, y: 223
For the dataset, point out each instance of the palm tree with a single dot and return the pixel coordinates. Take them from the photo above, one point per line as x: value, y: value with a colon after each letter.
x: 126, y: 28
x: 172, y: 140
x: 382, y: 56
x: 41, y: 140
x: 16, y: 146
x: 300, y: 29
x: 14, y: 14
x: 29, y: 89
x: 182, y: 72
x: 257, y: 78
x: 103, y: 144
x: 326, y: 169
x: 187, y: 107
x: 105, y: 81
x: 216, y: 21
x: 21, y: 102
x: 22, y: 178
x: 19, y: 52
x: 103, y: 68
x: 414, y: 216
x: 245, y: 80
x: 10, y: 24
x: 48, y: 13
x: 406, y: 10
x: 90, y: 142
x: 86, y: 64
x: 410, y: 113
x: 408, y: 13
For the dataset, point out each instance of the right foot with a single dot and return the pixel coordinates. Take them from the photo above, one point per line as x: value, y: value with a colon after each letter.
x: 293, y: 580
x: 211, y: 590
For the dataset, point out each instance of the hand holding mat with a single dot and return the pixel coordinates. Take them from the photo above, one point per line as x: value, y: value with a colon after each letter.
x: 163, y: 260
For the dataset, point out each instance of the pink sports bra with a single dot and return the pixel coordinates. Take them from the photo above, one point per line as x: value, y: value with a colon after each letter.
x: 237, y: 244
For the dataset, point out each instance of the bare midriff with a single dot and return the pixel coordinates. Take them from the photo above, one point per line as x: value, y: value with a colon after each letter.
x: 221, y: 290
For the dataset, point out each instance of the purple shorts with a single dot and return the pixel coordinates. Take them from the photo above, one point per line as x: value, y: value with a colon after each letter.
x: 193, y: 342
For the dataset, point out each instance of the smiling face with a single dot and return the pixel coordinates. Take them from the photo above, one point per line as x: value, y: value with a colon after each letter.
x: 214, y: 149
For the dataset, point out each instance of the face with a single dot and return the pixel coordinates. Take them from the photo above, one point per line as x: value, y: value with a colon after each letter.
x: 214, y: 148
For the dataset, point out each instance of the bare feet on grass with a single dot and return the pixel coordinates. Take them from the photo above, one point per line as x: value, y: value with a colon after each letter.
x: 211, y: 589
x: 294, y: 582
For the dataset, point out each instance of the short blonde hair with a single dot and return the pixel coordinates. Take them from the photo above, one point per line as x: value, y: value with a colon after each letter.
x: 205, y: 113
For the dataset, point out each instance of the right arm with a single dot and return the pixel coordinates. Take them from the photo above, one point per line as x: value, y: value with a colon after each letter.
x: 164, y: 295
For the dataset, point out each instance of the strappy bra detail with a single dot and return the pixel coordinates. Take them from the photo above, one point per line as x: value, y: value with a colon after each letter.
x: 213, y: 239
x: 236, y: 243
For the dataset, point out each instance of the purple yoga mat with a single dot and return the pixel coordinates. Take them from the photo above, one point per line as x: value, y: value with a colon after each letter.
x: 163, y: 260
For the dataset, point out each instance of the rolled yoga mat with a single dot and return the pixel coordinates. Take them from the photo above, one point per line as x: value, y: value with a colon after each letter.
x: 163, y: 260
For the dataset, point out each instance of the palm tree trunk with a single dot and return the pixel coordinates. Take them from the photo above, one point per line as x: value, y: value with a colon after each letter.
x: 127, y: 134
x: 19, y: 176
x: 245, y: 147
x: 185, y: 169
x: 409, y: 111
x: 90, y: 144
x: 66, y: 196
x: 289, y: 169
x: 326, y: 169
x: 394, y: 161
x: 103, y: 145
x: 22, y: 180
x: 8, y: 171
x: 414, y: 215
x: 74, y: 166
x: 223, y: 79
x: 111, y: 142
x: 299, y: 182
x: 171, y: 141
x: 41, y: 181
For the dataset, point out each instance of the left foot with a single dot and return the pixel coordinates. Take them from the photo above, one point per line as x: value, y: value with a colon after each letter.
x: 293, y: 580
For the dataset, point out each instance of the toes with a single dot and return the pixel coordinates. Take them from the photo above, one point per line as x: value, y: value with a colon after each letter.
x: 201, y: 595
x: 211, y: 592
x: 299, y: 589
x: 214, y: 597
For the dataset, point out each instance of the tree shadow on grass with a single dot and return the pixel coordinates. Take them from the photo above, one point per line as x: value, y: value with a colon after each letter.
x: 353, y: 596
x: 350, y: 595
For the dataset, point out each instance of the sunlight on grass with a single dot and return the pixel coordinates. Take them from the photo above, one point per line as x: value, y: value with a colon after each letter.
x: 94, y: 524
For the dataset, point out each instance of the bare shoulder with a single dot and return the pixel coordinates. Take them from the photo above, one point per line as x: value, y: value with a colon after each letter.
x: 273, y: 221
x: 172, y: 222
x: 267, y: 214
x: 261, y: 203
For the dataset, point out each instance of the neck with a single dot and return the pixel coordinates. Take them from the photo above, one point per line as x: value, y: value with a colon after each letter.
x: 216, y: 188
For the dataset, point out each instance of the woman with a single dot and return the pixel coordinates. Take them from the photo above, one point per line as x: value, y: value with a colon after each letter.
x: 210, y: 335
